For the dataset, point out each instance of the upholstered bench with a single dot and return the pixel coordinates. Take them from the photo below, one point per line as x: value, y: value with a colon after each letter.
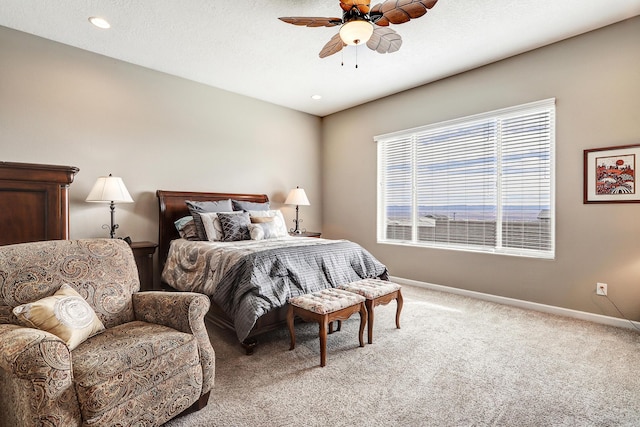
x: 324, y: 307
x: 376, y: 292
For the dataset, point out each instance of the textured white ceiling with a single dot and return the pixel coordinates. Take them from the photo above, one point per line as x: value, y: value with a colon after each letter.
x: 241, y: 46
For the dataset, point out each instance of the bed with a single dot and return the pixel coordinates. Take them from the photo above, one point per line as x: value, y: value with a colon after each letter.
x: 249, y: 296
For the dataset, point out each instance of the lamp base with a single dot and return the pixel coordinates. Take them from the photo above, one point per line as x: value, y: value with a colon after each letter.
x: 112, y: 229
x: 297, y: 222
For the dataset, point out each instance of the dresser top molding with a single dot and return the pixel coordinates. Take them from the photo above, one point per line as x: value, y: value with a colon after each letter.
x: 37, y: 172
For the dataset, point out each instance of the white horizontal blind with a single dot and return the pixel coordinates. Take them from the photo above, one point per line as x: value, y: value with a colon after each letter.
x: 526, y: 181
x: 482, y: 183
x: 397, y: 157
x: 456, y: 184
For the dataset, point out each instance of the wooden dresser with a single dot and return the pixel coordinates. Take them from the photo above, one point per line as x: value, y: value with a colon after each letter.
x: 34, y: 202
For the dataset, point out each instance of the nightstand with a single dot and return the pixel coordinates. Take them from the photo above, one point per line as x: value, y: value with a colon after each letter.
x: 306, y: 234
x: 143, y: 254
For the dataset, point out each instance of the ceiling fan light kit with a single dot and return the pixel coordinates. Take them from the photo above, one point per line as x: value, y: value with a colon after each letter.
x: 361, y: 23
x: 356, y: 32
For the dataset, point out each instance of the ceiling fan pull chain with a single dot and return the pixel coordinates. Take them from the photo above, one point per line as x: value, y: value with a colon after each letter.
x: 356, y: 55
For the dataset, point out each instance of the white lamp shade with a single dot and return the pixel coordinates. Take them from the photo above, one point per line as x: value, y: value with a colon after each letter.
x: 356, y: 32
x: 109, y: 189
x: 297, y: 196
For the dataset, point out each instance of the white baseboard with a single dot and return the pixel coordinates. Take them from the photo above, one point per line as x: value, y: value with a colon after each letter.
x: 576, y: 314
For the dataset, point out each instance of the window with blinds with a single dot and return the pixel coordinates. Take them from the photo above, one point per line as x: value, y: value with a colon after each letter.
x: 479, y: 183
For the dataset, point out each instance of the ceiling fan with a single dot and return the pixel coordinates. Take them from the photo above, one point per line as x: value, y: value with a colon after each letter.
x: 361, y: 23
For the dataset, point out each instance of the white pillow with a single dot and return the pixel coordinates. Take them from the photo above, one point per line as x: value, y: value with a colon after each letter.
x: 280, y: 228
x: 263, y: 230
x: 212, y: 226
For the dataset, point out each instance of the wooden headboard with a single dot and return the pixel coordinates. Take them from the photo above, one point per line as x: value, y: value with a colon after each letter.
x: 173, y: 207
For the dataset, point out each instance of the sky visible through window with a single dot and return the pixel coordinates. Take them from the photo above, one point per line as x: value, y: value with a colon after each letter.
x: 457, y: 172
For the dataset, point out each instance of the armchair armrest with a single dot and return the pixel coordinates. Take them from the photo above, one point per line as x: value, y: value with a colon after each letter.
x: 183, y: 311
x: 36, y: 378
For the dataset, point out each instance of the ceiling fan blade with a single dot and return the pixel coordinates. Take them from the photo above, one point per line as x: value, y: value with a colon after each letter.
x: 399, y: 11
x: 384, y: 40
x: 334, y: 45
x: 362, y: 5
x: 311, y: 21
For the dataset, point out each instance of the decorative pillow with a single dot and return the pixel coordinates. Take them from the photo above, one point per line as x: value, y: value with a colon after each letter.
x: 239, y: 205
x: 65, y: 314
x: 235, y: 226
x: 212, y: 226
x: 262, y: 230
x: 278, y: 220
x: 201, y: 207
x: 258, y: 219
x: 186, y: 228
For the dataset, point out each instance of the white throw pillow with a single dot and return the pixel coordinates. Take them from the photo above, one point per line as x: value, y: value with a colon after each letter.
x: 280, y: 228
x: 262, y: 230
x: 212, y: 226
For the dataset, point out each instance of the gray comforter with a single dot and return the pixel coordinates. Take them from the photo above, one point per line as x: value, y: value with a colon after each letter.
x: 248, y: 279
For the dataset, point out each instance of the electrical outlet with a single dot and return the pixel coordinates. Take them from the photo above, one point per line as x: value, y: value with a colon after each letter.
x: 601, y: 289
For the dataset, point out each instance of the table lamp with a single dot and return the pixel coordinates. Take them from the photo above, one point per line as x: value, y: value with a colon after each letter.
x: 297, y: 197
x: 110, y: 189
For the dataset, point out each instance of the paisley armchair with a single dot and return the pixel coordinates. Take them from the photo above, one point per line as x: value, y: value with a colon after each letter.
x: 152, y: 361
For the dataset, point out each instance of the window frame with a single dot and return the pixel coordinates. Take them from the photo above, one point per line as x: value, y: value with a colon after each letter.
x: 412, y: 135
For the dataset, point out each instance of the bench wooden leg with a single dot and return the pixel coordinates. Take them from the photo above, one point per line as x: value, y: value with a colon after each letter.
x: 399, y: 302
x: 363, y: 321
x: 323, y: 340
x: 331, y: 330
x: 292, y: 332
x: 370, y: 305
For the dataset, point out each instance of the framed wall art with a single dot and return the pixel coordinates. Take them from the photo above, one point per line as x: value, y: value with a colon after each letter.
x: 610, y: 174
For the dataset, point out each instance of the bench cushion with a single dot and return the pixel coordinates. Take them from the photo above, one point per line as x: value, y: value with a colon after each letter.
x: 326, y: 300
x: 371, y: 288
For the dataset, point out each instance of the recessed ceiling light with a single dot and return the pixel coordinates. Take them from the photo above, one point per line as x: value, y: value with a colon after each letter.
x: 99, y: 22
x: 316, y: 96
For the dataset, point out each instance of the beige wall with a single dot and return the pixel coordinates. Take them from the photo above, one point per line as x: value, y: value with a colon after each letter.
x: 62, y: 105
x: 595, y: 79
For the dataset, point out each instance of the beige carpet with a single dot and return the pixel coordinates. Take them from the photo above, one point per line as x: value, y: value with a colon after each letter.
x: 456, y: 361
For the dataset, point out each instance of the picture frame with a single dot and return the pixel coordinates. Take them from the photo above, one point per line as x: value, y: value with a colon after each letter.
x: 610, y: 174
